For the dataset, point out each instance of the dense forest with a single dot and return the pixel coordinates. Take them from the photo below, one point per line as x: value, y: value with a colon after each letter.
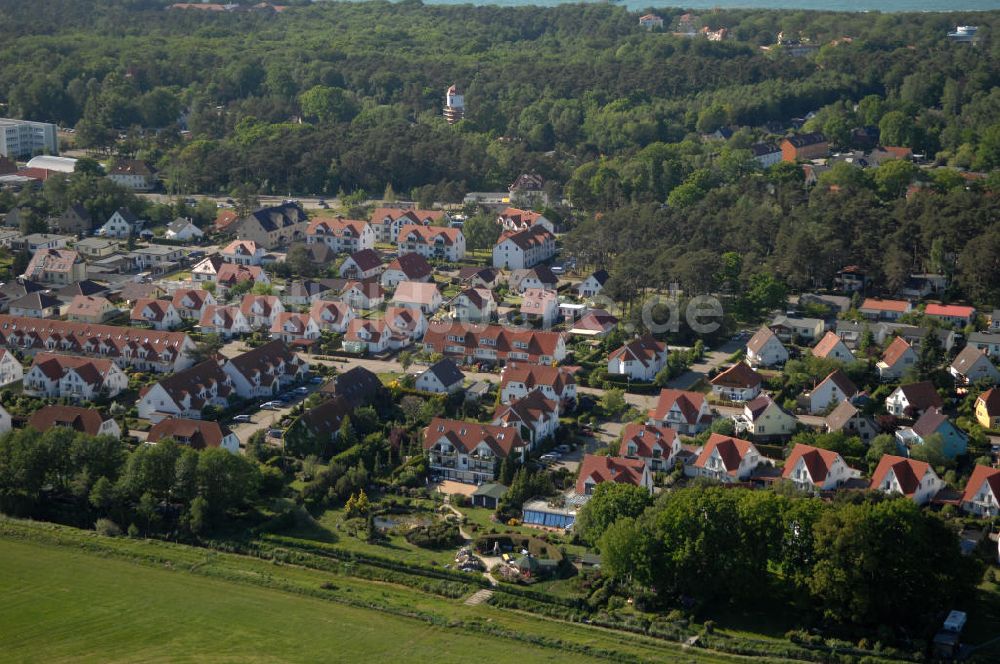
x: 346, y: 97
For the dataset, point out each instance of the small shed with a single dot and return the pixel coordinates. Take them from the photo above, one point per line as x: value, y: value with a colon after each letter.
x: 488, y: 495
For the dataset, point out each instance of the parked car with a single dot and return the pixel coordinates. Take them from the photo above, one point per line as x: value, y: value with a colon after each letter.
x: 243, y: 418
x: 317, y: 380
x: 272, y: 405
x: 275, y: 433
x: 551, y: 457
x: 562, y: 449
x: 302, y: 390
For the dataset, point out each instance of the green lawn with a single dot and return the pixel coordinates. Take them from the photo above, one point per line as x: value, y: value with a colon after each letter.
x: 63, y: 605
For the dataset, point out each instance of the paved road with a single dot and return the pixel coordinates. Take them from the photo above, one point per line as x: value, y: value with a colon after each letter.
x: 308, y: 202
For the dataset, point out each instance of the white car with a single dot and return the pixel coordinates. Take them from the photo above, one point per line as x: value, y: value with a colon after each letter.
x: 272, y: 405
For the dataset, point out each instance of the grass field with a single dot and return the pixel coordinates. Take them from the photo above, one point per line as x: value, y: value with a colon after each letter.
x: 63, y: 605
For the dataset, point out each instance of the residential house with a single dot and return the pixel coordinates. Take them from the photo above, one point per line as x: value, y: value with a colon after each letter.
x: 183, y: 230
x: 540, y: 276
x: 847, y: 419
x: 85, y: 420
x: 367, y: 336
x: 595, y: 323
x: 650, y: 21
x: 159, y: 258
x: 387, y: 222
x: 36, y: 305
x: 897, y: 359
x: 11, y: 370
x: 987, y: 408
x: 473, y: 305
x: 122, y: 224
x: 686, y: 412
x: 534, y: 416
x: 640, y: 359
x: 934, y: 423
x: 524, y: 249
x: 187, y: 393
x: 405, y: 325
x: 261, y: 310
x: 196, y: 434
x: 190, y: 303
x: 341, y: 235
x: 366, y: 295
x: 555, y: 383
x: 17, y: 289
x: 56, y: 266
x: 765, y: 349
x: 737, y: 383
x: 469, y: 452
x: 157, y: 314
x: 596, y: 469
x: 145, y: 350
x: 266, y: 370
x: 331, y: 316
x: 478, y: 277
x: 876, y: 309
x: 540, y: 307
x: 982, y: 492
x: 35, y: 242
x: 226, y: 321
x: 492, y: 344
x: 423, y: 296
x: 77, y: 378
x: 832, y: 347
x: 96, y: 247
x: 764, y: 418
x: 593, y: 284
x: 804, y: 147
x: 811, y: 468
x: 528, y: 189
x: 133, y: 174
x: 363, y: 264
x: 272, y: 227
x: 792, y: 328
x: 294, y: 328
x: 304, y: 293
x: 407, y: 267
x: 970, y: 366
x: 515, y: 219
x: 75, y: 220
x: 657, y: 446
x: 356, y: 387
x: 243, y: 252
x: 953, y: 314
x: 207, y: 269
x: 726, y: 459
x: 830, y: 392
x: 447, y: 244
x: 988, y: 342
x: 914, y: 479
x: 913, y: 399
x: 442, y: 377
x: 766, y: 154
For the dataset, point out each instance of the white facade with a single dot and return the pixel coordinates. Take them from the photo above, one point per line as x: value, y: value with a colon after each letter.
x: 511, y: 254
x: 11, y: 370
x: 72, y: 384
x: 186, y: 233
x: 23, y: 138
x: 116, y: 226
x: 771, y: 353
x: 432, y: 242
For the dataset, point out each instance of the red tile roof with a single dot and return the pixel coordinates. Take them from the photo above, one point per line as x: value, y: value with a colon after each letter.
x: 466, y: 436
x: 534, y: 375
x: 875, y: 304
x: 760, y: 338
x: 908, y: 472
x: 428, y: 234
x: 646, y: 438
x: 645, y: 349
x: 738, y: 375
x: 979, y: 475
x: 86, y: 420
x: 609, y: 469
x: 818, y: 462
x: 991, y: 399
x: 731, y: 451
x: 689, y: 403
x: 895, y: 351
x: 826, y: 345
x: 199, y: 434
x: 950, y: 310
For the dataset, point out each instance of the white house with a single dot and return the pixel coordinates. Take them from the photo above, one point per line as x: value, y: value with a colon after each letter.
x: 190, y: 303
x: 686, y: 412
x: 11, y: 370
x: 912, y: 399
x: 447, y: 244
x: 657, y: 446
x: 830, y: 391
x: 982, y: 492
x: 640, y: 359
x: 371, y: 336
x: 972, y: 366
x: 261, y: 310
x: 441, y: 377
x: 290, y: 327
x: 362, y: 264
x: 405, y: 325
x: 811, y: 468
x: 243, y: 252
x: 121, y: 224
x: 266, y: 370
x: 74, y: 377
x: 407, y: 267
x: 534, y: 414
x: 363, y: 294
x: 737, y: 383
x: 473, y: 305
x: 186, y: 393
x: 469, y: 452
x: 524, y: 249
x: 914, y: 479
x: 540, y: 306
x: 765, y: 349
x: 419, y: 295
x: 725, y: 459
x: 597, y: 469
x: 832, y: 347
x: 183, y: 230
x: 332, y: 316
x: 224, y: 321
x: 593, y: 284
x: 157, y: 314
x: 556, y: 383
x: 765, y: 418
x: 341, y: 235
x: 897, y: 359
x: 197, y: 434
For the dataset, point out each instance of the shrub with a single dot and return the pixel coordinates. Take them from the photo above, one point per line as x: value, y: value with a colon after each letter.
x: 435, y: 536
x: 108, y: 528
